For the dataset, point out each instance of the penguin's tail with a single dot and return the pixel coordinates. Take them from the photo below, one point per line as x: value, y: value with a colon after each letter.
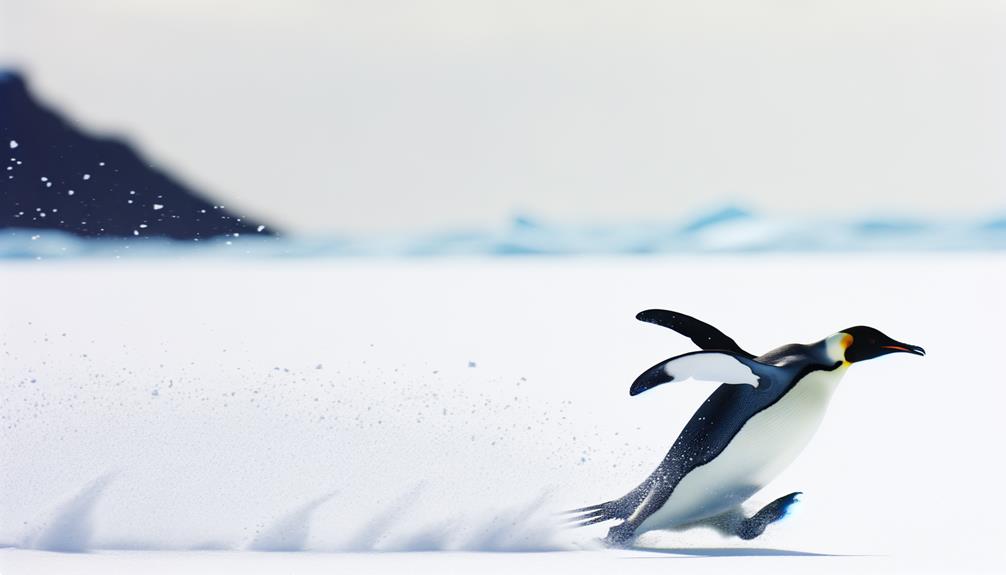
x: 592, y: 514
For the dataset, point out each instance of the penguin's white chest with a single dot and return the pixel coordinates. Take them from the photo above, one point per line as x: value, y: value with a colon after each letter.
x: 762, y: 449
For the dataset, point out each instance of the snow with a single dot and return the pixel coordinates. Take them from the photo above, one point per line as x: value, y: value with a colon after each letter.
x: 13, y: 144
x: 588, y: 562
x: 158, y: 206
x: 87, y: 176
x: 157, y: 424
x: 70, y: 527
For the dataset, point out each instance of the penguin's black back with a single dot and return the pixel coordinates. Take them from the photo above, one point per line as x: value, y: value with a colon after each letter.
x: 718, y: 420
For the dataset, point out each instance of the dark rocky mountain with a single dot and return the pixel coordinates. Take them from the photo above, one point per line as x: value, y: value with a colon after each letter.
x: 57, y: 177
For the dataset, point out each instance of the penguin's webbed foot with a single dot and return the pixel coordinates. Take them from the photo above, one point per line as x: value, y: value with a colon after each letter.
x: 620, y: 536
x: 778, y: 509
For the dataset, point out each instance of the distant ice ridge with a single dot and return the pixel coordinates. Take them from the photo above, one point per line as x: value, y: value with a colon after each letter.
x: 729, y: 229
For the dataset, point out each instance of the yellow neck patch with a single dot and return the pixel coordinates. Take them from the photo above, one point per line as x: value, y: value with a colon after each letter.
x: 836, y: 345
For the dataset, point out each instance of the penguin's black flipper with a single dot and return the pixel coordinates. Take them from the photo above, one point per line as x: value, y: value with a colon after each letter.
x: 701, y: 333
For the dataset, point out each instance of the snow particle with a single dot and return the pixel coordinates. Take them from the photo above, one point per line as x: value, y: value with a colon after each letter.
x: 158, y: 206
x: 136, y: 232
x: 260, y: 228
x: 87, y: 176
x: 69, y: 192
x: 13, y: 144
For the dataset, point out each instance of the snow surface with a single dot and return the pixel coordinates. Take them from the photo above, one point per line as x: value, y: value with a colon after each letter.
x: 186, y: 410
x: 607, y: 562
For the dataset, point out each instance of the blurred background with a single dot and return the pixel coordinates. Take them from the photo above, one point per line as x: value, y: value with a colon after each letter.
x: 204, y: 403
x: 377, y: 118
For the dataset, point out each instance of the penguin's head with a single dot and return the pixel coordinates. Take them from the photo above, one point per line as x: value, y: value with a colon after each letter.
x: 864, y: 342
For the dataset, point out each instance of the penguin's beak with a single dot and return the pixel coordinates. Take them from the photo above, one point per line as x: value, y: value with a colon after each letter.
x: 904, y: 348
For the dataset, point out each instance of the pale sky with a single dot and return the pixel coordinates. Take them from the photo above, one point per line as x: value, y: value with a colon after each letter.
x: 334, y: 116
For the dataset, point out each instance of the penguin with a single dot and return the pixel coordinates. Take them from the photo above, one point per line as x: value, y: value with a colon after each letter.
x: 748, y: 431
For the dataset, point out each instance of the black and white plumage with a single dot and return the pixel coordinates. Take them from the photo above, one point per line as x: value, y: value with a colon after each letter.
x: 750, y: 429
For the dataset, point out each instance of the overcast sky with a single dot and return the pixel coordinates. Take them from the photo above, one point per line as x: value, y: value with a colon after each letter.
x: 388, y: 115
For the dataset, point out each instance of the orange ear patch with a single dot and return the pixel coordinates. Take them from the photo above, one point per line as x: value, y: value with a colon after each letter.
x: 846, y: 341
